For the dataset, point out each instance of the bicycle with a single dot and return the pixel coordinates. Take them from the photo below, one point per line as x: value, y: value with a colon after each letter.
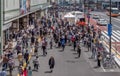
x: 108, y: 62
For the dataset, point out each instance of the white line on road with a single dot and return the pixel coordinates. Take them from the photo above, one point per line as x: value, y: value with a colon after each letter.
x: 103, y: 68
x: 116, y: 26
x: 117, y: 35
x: 116, y: 19
x: 112, y: 70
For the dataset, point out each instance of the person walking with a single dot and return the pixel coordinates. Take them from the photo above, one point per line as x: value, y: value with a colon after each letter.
x: 3, y: 72
x: 63, y: 43
x: 99, y: 58
x: 29, y: 71
x: 36, y: 63
x: 25, y: 72
x: 51, y: 63
x: 11, y: 65
x: 26, y: 56
x: 51, y: 44
x: 79, y: 51
x: 5, y: 60
x: 44, y: 44
x: 89, y: 45
x: 32, y: 40
x: 74, y: 45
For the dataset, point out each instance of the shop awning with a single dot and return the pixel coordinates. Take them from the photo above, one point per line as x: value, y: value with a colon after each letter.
x: 69, y: 15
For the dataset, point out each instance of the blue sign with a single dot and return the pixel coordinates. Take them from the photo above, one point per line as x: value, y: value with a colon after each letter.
x: 109, y: 29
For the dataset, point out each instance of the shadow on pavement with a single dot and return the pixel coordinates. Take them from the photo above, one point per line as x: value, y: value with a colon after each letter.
x: 60, y: 50
x: 75, y: 53
x: 72, y: 50
x: 35, y: 70
x: 48, y: 71
x: 41, y: 55
x: 70, y: 61
x: 96, y: 67
x: 77, y: 57
x: 86, y: 51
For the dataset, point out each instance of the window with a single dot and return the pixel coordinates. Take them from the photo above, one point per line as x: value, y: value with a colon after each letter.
x: 6, y: 3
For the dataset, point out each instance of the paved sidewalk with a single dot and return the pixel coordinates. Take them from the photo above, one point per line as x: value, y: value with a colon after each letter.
x: 117, y: 55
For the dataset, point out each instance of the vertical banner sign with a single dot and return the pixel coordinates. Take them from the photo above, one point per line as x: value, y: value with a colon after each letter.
x: 109, y: 27
x: 24, y: 6
x: 28, y: 5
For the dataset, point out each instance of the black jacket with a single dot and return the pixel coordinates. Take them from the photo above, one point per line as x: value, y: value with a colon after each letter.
x: 51, y: 63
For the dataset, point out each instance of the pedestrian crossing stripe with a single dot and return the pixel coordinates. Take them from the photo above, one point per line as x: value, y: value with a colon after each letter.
x: 115, y: 36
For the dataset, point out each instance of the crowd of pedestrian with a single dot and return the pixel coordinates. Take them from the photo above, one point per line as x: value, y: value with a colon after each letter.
x: 60, y: 33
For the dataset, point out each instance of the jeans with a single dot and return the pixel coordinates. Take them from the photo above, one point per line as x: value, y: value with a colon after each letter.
x: 5, y: 65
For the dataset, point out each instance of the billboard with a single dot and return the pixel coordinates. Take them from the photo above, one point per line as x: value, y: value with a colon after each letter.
x: 24, y: 6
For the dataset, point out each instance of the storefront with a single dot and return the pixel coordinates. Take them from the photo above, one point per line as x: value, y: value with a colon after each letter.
x: 6, y: 32
x: 20, y: 22
x: 38, y: 14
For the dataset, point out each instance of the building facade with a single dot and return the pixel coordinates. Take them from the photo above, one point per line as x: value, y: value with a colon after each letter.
x: 17, y: 15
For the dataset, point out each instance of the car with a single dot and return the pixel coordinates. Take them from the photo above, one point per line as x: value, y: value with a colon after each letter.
x: 95, y: 16
x: 102, y: 22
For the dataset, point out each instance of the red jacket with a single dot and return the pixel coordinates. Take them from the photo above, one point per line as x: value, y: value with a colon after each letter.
x: 25, y: 72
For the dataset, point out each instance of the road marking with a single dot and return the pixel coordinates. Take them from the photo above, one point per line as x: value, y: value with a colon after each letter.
x: 105, y: 34
x: 118, y: 31
x: 116, y: 26
x: 116, y: 19
x: 115, y: 35
x: 112, y: 70
x: 103, y: 68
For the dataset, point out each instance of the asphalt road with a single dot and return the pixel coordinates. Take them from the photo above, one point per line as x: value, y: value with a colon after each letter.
x: 115, y: 21
x: 67, y: 64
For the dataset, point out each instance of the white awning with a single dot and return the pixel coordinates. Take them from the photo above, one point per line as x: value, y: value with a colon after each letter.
x: 69, y: 15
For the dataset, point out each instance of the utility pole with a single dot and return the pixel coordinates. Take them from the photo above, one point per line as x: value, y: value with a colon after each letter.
x: 110, y: 35
x: 88, y: 12
x: 84, y: 8
x: 1, y: 25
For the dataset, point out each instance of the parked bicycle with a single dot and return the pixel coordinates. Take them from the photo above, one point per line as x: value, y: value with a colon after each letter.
x: 109, y: 62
